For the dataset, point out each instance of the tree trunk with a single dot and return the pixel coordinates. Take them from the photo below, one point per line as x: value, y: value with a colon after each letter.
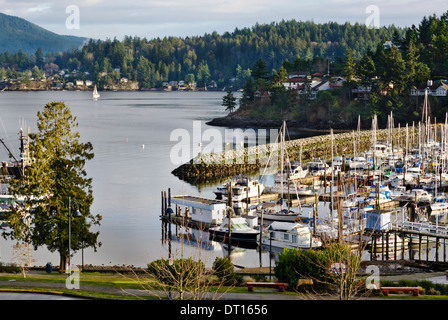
x: 63, y: 263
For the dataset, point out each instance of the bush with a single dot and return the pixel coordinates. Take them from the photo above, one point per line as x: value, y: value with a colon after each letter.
x: 297, y: 264
x: 9, y: 268
x: 223, y: 269
x: 185, y: 271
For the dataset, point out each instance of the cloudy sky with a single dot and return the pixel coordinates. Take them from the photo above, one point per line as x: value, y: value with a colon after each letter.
x: 158, y: 18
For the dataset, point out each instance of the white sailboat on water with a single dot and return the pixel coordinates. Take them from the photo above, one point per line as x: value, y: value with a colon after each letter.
x: 96, y: 94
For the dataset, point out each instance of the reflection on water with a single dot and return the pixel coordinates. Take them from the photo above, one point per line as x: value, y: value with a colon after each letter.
x: 130, y: 133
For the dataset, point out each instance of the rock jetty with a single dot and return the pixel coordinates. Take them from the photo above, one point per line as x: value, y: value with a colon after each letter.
x: 218, y: 166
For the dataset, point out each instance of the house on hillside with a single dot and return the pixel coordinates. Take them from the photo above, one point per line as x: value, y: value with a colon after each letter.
x: 435, y: 89
x: 294, y: 83
x: 314, y: 88
x: 361, y: 93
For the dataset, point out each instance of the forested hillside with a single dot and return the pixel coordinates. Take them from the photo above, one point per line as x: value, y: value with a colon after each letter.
x: 20, y: 35
x: 213, y: 56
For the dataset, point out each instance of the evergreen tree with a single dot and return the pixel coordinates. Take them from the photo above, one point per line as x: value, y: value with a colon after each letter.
x: 55, y: 179
x: 229, y: 101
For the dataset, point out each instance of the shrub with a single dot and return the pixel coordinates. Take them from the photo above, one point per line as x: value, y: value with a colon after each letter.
x: 297, y: 264
x: 9, y: 268
x: 185, y: 271
x: 223, y: 269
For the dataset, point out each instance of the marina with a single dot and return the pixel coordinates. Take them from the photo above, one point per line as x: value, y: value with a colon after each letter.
x: 143, y: 222
x: 388, y: 200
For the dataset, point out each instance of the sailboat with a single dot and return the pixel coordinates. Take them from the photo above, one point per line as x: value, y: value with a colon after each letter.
x: 96, y: 95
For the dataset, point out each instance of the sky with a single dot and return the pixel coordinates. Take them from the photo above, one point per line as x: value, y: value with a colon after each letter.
x: 101, y: 19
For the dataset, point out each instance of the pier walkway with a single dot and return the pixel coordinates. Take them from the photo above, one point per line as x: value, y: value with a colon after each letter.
x: 427, y: 229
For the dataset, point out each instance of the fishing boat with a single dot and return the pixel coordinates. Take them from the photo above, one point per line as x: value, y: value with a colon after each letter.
x: 283, y: 235
x: 96, y: 94
x: 240, y: 231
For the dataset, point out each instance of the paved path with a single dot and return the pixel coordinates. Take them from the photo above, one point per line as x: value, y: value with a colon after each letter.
x: 262, y: 294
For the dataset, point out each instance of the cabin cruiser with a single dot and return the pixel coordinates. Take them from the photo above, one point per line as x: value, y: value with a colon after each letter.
x: 420, y: 195
x: 358, y: 163
x: 399, y: 192
x: 291, y: 236
x: 240, y: 231
x: 242, y: 188
x: 318, y: 167
x: 270, y: 211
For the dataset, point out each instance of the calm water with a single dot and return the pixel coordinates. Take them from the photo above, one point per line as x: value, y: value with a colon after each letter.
x: 127, y: 177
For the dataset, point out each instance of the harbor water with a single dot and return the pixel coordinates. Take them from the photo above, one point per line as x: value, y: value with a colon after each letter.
x: 131, y: 137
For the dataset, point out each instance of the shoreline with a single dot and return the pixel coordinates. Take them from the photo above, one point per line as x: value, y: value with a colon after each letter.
x: 244, y: 122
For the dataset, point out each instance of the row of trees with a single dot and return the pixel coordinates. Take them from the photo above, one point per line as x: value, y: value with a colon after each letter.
x: 388, y: 71
x: 211, y: 56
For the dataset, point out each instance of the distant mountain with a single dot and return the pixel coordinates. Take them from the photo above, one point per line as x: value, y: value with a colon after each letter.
x: 19, y: 34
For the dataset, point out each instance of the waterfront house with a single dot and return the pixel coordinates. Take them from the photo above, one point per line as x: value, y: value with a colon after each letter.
x: 202, y: 210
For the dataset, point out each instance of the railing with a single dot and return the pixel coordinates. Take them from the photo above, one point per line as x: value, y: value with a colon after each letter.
x: 421, y: 227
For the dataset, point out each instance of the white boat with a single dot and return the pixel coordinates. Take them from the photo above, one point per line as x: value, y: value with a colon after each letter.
x: 246, y: 188
x: 96, y: 94
x: 375, y: 198
x: 399, y: 192
x: 292, y: 170
x: 222, y: 190
x: 240, y: 231
x: 318, y: 167
x: 240, y: 187
x: 439, y: 208
x: 420, y: 195
x: 358, y: 163
x: 290, y: 235
x: 271, y: 212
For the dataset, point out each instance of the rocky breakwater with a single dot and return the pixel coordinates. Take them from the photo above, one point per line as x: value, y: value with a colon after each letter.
x: 255, y: 160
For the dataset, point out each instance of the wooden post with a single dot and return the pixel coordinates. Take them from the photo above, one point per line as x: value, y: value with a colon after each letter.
x: 387, y: 245
x: 427, y: 248
x: 419, y: 247
x: 395, y: 245
x: 247, y: 195
x: 444, y: 249
x: 229, y: 217
x: 315, y: 213
x: 340, y: 220
x: 261, y: 222
x: 163, y: 202
x: 437, y: 249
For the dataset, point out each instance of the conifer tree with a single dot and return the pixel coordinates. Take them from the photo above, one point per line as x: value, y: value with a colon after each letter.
x: 55, y: 178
